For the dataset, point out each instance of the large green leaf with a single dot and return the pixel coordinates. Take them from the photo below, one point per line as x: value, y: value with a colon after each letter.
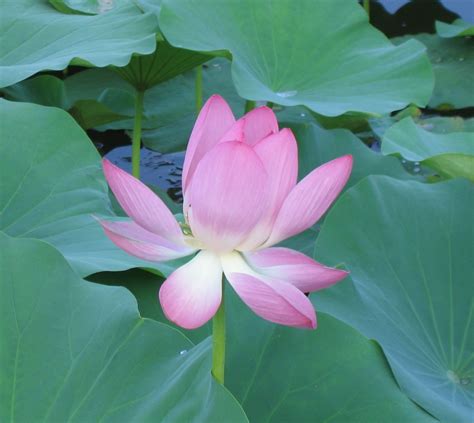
x: 51, y: 185
x: 290, y: 375
x: 458, y: 28
x: 409, y: 248
x: 303, y: 53
x: 37, y: 37
x: 80, y: 352
x: 452, y: 60
x: 332, y: 374
x: 452, y: 154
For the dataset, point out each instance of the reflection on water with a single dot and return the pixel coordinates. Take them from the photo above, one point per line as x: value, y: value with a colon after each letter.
x: 401, y: 17
x: 161, y: 170
x: 464, y: 8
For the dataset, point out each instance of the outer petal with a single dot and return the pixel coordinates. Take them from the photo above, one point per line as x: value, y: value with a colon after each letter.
x: 213, y: 121
x: 259, y: 123
x: 310, y: 199
x: 296, y: 268
x: 279, y: 154
x: 141, y: 203
x: 138, y: 242
x: 269, y: 298
x: 192, y: 293
x: 227, y: 196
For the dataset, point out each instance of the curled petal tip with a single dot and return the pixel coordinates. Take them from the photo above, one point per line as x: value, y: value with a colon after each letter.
x: 311, y: 323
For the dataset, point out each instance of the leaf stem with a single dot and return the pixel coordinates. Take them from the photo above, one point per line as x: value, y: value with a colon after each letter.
x: 218, y: 342
x: 367, y: 7
x: 249, y: 105
x: 137, y: 133
x: 199, y: 88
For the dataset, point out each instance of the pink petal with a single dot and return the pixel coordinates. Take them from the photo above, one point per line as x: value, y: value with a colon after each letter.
x: 279, y: 154
x: 310, y: 199
x: 213, y: 121
x: 235, y: 133
x: 227, y: 196
x: 295, y: 268
x: 138, y: 242
x: 141, y: 203
x: 259, y: 123
x: 192, y: 294
x: 269, y: 298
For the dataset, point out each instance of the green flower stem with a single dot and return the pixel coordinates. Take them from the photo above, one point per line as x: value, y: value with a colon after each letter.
x: 137, y: 134
x: 249, y: 105
x: 218, y: 342
x: 367, y: 7
x: 199, y: 88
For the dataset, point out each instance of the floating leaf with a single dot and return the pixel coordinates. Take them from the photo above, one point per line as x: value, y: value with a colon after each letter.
x: 453, y: 61
x: 51, y: 185
x: 458, y: 28
x: 408, y: 247
x: 299, y: 53
x: 80, y: 352
x: 436, y: 124
x: 37, y: 37
x: 452, y: 155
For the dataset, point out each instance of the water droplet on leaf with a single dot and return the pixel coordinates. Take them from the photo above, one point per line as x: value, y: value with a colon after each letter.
x: 182, y: 352
x: 286, y: 94
x: 453, y: 377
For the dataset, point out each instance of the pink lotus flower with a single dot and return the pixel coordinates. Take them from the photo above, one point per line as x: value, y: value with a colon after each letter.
x: 240, y: 199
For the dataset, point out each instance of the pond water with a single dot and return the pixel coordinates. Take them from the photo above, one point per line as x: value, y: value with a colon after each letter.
x: 161, y: 170
x: 401, y: 17
x: 393, y: 17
